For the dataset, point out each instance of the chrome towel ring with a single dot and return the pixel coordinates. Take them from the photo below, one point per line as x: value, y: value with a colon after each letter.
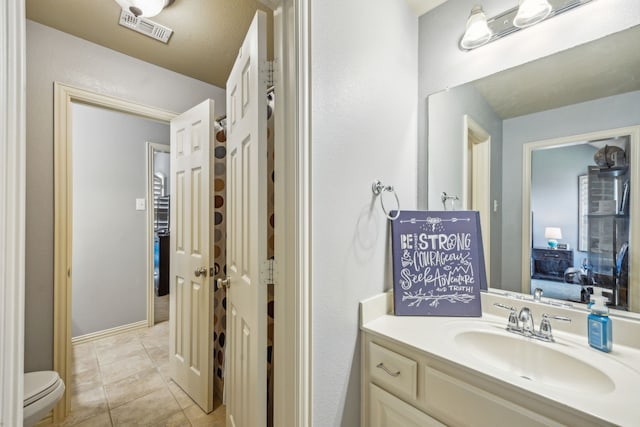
x: 378, y: 188
x: 447, y: 197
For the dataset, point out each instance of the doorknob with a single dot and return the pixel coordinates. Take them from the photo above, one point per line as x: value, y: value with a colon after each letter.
x: 202, y: 271
x: 224, y: 283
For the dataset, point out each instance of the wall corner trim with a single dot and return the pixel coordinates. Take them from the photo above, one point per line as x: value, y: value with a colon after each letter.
x: 12, y: 208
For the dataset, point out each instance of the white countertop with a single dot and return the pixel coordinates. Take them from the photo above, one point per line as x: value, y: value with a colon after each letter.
x: 435, y: 336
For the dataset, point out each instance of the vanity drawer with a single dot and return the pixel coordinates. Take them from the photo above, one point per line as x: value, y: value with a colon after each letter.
x: 393, y: 371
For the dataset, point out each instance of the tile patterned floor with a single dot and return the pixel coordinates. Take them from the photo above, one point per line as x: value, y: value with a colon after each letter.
x: 123, y: 381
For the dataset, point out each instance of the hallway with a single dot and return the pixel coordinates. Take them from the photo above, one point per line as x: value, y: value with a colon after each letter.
x: 123, y: 380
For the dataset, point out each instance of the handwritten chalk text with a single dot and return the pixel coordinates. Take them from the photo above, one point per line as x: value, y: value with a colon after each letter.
x: 439, y: 242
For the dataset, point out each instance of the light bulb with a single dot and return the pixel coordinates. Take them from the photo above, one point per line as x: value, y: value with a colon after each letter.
x: 144, y: 8
x: 531, y: 12
x: 477, y: 32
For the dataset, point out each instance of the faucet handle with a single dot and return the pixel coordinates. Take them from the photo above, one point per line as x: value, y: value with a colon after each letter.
x: 512, y: 324
x: 506, y: 307
x: 545, y: 326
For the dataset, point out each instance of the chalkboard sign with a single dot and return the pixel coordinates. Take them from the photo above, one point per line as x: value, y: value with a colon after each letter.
x: 438, y: 263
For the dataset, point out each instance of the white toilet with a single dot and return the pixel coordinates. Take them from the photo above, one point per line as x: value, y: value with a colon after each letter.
x: 42, y: 390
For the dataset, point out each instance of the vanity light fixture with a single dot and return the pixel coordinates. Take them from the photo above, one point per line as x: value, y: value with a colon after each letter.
x: 144, y: 8
x: 480, y: 31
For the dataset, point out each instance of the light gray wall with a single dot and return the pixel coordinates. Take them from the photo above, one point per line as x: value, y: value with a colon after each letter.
x: 109, y: 234
x: 363, y: 77
x: 446, y: 111
x: 364, y: 94
x: 443, y: 65
x: 606, y: 113
x: 554, y: 193
x: 56, y: 56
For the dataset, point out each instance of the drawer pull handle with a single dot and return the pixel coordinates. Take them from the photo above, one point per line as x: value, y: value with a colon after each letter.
x: 384, y: 368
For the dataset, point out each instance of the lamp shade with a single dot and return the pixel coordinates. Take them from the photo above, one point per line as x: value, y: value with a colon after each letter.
x: 144, y: 8
x: 478, y: 31
x: 531, y: 12
x: 552, y: 233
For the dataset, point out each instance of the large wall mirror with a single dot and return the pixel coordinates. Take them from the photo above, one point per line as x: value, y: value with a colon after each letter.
x: 564, y: 140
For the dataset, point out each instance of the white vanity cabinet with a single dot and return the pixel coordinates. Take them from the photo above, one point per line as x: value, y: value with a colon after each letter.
x: 396, y: 374
x: 386, y: 410
x: 415, y: 373
x: 405, y: 387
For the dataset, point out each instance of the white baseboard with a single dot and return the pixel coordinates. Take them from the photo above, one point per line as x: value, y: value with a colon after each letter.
x: 109, y: 332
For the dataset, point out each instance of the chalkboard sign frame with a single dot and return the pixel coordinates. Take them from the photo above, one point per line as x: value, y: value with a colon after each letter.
x: 438, y: 263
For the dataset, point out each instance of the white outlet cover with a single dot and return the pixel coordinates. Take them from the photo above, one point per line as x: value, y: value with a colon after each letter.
x: 140, y: 204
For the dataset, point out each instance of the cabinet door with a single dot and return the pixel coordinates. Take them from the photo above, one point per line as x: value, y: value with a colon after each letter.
x: 386, y: 410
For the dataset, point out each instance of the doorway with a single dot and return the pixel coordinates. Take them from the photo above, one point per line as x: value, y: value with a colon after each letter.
x: 109, y: 221
x: 65, y: 97
x: 603, y: 262
x: 159, y: 197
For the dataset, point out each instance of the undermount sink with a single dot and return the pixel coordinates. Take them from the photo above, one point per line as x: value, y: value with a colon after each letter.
x: 548, y: 364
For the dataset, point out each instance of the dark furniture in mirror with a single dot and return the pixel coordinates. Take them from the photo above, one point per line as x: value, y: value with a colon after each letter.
x: 550, y: 264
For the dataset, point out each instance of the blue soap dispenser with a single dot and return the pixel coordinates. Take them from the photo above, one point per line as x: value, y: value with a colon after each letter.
x: 599, y: 324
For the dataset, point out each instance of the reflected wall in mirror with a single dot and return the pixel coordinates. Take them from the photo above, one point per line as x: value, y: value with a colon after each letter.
x: 589, y: 89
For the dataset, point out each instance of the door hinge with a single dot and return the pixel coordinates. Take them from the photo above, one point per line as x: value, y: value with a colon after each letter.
x: 268, y: 272
x: 268, y: 68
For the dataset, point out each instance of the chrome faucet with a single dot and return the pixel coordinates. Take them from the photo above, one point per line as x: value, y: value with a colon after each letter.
x: 525, y: 317
x: 523, y: 323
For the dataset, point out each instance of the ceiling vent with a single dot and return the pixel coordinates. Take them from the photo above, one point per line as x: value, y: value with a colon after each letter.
x: 145, y: 26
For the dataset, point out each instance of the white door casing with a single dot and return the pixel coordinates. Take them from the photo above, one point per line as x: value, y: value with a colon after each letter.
x: 477, y: 184
x: 191, y: 225
x: 64, y: 97
x: 13, y: 152
x: 246, y: 370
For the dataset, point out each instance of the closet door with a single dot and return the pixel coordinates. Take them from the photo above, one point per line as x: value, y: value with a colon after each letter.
x: 191, y: 291
x: 246, y: 370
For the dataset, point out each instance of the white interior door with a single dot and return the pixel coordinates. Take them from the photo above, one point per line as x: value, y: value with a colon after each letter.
x: 246, y: 370
x: 191, y: 292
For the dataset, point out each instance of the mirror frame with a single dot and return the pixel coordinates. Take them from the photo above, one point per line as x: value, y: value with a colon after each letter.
x: 634, y: 214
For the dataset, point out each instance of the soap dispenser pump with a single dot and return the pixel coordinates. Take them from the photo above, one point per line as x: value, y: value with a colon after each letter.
x: 599, y: 324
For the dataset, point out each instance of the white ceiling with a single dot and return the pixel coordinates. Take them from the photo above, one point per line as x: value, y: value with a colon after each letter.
x: 420, y: 7
x: 605, y: 67
x: 207, y: 33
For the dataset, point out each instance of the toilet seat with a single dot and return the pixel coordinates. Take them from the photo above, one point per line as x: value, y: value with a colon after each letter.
x: 42, y: 390
x: 39, y: 384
